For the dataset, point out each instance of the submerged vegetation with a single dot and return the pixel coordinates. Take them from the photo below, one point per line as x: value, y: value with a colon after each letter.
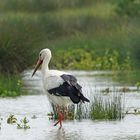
x: 12, y: 119
x: 23, y: 124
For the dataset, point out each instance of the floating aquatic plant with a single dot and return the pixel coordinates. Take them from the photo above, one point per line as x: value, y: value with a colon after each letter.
x: 51, y: 115
x: 11, y: 119
x: 34, y: 117
x: 23, y: 124
x: 125, y: 89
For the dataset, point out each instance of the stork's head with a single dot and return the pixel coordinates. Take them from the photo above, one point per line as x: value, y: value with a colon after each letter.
x: 44, y: 54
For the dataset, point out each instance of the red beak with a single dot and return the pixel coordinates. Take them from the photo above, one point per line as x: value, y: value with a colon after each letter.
x: 39, y: 62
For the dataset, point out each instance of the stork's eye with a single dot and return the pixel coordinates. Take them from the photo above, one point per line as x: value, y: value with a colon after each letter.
x: 41, y: 56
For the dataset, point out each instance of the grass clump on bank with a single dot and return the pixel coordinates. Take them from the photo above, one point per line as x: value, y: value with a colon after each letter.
x: 109, y: 108
x: 10, y: 86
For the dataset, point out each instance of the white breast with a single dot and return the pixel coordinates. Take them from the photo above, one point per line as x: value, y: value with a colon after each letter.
x: 53, y: 82
x: 53, y: 79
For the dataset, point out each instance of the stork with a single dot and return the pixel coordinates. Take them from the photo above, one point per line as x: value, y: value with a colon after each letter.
x: 61, y: 88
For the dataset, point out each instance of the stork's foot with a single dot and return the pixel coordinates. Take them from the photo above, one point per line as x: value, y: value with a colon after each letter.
x: 57, y: 123
x: 60, y: 118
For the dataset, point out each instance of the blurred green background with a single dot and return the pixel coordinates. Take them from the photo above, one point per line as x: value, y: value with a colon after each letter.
x: 82, y: 34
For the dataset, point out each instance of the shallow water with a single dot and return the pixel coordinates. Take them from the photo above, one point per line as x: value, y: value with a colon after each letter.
x: 42, y: 128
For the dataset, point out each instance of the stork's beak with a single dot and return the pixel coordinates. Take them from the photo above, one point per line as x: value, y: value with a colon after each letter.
x: 39, y: 62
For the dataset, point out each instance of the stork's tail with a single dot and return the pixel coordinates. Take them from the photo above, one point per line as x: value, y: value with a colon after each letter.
x: 84, y: 99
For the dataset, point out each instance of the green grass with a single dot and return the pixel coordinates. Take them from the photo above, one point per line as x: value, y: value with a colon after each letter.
x: 88, y: 59
x: 101, y: 10
x: 10, y: 86
x: 43, y: 5
x: 129, y: 78
x: 107, y: 108
x: 92, y: 26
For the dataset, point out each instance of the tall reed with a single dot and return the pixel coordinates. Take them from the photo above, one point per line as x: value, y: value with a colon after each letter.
x: 107, y: 108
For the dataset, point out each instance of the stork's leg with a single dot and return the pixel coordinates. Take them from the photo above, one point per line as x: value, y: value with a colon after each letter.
x: 65, y: 112
x: 60, y: 117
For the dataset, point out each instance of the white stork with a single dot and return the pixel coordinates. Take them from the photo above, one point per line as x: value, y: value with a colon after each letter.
x: 61, y: 88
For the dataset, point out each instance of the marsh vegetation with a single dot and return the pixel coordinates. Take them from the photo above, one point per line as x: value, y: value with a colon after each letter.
x: 107, y: 108
x: 10, y: 86
x: 82, y: 34
x: 101, y: 108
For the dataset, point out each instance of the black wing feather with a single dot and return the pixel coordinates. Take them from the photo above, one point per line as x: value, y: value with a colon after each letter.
x: 72, y: 81
x: 69, y: 88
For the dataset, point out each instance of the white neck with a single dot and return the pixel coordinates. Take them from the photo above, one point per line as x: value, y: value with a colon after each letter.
x: 45, y: 66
